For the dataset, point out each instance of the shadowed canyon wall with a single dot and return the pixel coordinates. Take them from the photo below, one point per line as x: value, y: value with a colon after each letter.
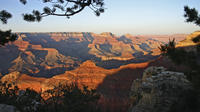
x: 104, y: 61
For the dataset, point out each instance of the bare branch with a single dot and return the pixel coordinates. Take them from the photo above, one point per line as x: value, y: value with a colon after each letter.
x: 67, y: 8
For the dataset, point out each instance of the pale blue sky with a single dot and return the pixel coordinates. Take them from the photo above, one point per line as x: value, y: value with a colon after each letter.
x: 120, y: 17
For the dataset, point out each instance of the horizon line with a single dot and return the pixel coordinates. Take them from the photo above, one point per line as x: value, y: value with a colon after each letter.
x: 111, y: 33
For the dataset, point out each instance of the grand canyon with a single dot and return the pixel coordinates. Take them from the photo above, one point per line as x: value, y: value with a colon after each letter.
x: 99, y: 56
x: 49, y: 54
x: 105, y: 62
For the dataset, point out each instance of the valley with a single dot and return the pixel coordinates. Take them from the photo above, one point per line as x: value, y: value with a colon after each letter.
x: 50, y: 54
x: 104, y: 62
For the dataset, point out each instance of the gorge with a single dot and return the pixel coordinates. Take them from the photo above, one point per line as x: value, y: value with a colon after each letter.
x: 105, y: 62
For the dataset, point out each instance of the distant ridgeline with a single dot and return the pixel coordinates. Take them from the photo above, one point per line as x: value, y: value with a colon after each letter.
x: 49, y: 54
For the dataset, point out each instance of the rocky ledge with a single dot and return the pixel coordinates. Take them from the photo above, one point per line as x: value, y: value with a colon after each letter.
x: 158, y: 90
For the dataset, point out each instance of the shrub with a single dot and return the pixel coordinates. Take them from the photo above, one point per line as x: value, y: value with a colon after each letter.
x: 63, y: 98
x: 70, y: 98
x: 168, y: 48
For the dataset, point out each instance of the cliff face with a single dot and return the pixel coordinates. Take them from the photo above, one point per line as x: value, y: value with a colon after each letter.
x: 159, y: 90
x: 188, y: 40
x: 87, y: 74
x: 62, y: 58
x: 113, y: 84
x: 191, y: 43
x: 50, y: 54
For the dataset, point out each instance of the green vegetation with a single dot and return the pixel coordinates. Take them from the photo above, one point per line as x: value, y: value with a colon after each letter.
x: 7, y: 36
x: 190, y: 59
x: 62, y: 98
x: 179, y: 55
x: 70, y: 98
x: 192, y: 15
x: 168, y: 48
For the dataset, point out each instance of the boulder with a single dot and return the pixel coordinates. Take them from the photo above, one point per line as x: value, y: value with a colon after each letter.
x: 158, y: 90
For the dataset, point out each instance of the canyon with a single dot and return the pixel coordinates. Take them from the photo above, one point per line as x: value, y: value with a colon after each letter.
x: 50, y: 54
x: 105, y: 62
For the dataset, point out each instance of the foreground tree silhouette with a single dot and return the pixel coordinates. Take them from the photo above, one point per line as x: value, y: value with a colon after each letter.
x: 66, y: 8
x: 6, y: 36
x: 70, y: 98
x: 62, y: 98
x: 192, y: 15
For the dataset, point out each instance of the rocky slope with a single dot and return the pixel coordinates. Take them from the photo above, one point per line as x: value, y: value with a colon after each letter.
x: 188, y: 40
x: 113, y: 84
x: 189, y: 44
x: 107, y: 82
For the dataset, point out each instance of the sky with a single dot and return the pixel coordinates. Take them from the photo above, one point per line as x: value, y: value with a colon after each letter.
x: 136, y: 17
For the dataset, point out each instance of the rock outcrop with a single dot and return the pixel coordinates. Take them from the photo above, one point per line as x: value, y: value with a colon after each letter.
x: 158, y: 90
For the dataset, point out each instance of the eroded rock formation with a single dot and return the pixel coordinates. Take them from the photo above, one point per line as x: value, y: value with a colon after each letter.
x: 50, y: 54
x: 159, y: 90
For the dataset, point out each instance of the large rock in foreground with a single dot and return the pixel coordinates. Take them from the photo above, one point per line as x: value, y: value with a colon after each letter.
x: 158, y: 90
